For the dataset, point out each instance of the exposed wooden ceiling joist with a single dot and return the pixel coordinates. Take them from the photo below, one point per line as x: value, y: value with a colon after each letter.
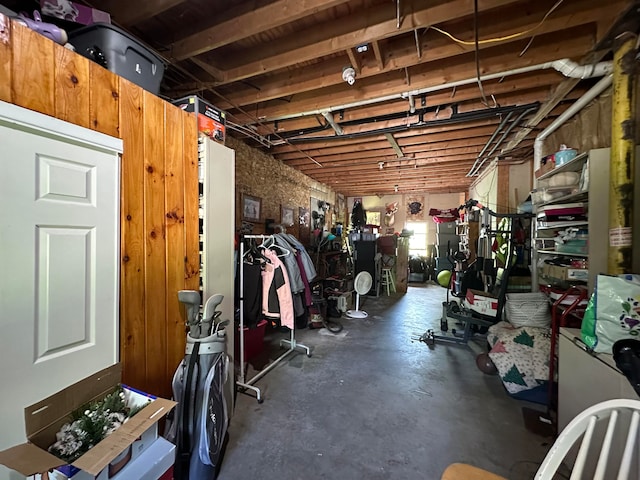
x: 439, y: 47
x: 338, y: 36
x: 276, y: 67
x: 426, y: 75
x: 126, y: 12
x: 260, y: 19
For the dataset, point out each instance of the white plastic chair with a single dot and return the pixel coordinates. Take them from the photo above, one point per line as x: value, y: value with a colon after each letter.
x: 584, y: 426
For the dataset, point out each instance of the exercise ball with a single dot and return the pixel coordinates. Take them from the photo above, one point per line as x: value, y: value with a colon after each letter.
x: 485, y: 364
x: 444, y: 277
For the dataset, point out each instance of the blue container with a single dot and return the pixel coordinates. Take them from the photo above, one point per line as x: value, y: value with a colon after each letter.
x: 564, y: 156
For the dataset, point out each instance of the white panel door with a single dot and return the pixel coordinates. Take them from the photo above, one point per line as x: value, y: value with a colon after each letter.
x: 59, y: 244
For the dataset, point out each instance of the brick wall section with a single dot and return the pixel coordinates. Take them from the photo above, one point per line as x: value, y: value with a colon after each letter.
x: 260, y: 175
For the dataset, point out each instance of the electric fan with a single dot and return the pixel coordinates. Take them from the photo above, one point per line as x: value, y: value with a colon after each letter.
x: 361, y: 284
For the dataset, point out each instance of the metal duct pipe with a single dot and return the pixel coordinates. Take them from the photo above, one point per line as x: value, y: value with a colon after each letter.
x: 578, y: 105
x: 565, y: 66
x: 622, y: 160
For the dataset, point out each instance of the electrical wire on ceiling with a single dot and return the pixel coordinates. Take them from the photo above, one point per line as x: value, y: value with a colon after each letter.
x: 257, y: 121
x: 500, y: 39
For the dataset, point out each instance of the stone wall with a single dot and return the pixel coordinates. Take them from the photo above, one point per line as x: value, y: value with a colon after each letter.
x: 277, y: 185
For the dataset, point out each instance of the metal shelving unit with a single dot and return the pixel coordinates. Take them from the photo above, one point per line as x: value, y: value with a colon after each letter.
x: 544, y: 231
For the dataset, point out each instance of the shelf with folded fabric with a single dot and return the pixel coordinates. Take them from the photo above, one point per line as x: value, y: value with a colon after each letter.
x: 561, y: 229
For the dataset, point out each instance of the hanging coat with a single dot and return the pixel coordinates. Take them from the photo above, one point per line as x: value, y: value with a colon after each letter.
x: 277, y: 300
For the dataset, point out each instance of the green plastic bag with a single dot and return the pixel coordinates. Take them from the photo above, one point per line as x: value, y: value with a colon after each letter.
x: 588, y: 327
x: 613, y: 312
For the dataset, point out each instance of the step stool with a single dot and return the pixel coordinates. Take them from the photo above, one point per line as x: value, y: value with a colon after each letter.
x: 387, y: 280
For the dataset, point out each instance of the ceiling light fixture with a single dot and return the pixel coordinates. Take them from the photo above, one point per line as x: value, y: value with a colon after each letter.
x: 362, y: 48
x: 395, y: 188
x: 380, y: 165
x: 349, y: 75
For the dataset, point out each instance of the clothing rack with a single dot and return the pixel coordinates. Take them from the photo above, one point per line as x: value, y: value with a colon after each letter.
x: 244, y: 384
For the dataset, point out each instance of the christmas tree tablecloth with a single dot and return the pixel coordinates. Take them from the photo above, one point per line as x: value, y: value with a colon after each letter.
x: 521, y: 355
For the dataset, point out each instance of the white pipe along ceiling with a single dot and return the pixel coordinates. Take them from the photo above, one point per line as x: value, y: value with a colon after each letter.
x: 578, y: 105
x: 565, y: 66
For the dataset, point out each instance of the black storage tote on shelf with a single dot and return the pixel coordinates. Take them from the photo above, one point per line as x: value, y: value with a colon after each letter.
x: 120, y: 53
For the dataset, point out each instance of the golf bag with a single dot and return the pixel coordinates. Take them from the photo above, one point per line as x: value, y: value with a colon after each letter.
x: 199, y: 423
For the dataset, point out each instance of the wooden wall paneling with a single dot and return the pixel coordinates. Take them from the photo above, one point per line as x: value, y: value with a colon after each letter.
x: 191, y: 219
x: 157, y: 381
x: 133, y: 342
x: 174, y: 225
x: 33, y: 70
x: 71, y: 84
x: 104, y: 100
x: 5, y: 58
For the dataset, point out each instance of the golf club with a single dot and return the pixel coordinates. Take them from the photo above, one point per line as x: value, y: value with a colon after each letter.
x: 220, y: 326
x: 191, y: 301
x: 209, y: 312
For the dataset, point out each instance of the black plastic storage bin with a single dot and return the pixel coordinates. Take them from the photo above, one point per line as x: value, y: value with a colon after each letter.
x: 121, y: 53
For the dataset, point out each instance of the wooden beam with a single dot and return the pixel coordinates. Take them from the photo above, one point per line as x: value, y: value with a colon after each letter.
x: 520, y: 89
x: 572, y: 42
x: 377, y: 52
x: 505, y: 91
x: 535, y: 96
x: 260, y: 19
x: 126, y: 12
x: 357, y: 29
x: 606, y: 23
x: 216, y: 73
x: 328, y: 73
x: 422, y: 158
x: 439, y: 47
x: 354, y: 60
x: 418, y: 140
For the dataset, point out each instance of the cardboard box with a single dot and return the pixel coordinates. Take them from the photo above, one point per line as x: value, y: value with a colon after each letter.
x: 565, y: 273
x: 546, y: 167
x: 211, y: 120
x: 156, y: 462
x: 45, y: 418
x: 482, y: 302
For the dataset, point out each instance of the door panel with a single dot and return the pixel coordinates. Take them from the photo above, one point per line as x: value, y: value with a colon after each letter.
x: 59, y: 240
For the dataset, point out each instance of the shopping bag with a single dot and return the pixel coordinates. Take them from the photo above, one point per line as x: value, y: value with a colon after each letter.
x: 613, y: 312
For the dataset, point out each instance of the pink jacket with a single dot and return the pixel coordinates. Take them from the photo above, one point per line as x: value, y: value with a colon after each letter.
x: 277, y: 300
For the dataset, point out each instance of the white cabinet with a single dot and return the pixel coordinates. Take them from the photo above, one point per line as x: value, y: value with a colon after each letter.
x: 586, y: 379
x: 217, y: 228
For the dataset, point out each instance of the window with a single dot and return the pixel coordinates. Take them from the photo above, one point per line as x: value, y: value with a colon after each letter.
x: 418, y: 241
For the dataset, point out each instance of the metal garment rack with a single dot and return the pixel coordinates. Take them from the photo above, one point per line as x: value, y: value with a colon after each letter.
x: 244, y: 384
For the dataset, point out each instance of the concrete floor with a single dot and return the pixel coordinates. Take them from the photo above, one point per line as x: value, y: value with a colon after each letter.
x: 374, y: 403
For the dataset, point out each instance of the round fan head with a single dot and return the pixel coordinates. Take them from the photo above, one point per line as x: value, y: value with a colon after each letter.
x: 362, y: 283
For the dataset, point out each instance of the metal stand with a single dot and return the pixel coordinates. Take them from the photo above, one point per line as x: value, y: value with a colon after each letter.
x: 465, y: 316
x: 456, y: 338
x: 243, y: 383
